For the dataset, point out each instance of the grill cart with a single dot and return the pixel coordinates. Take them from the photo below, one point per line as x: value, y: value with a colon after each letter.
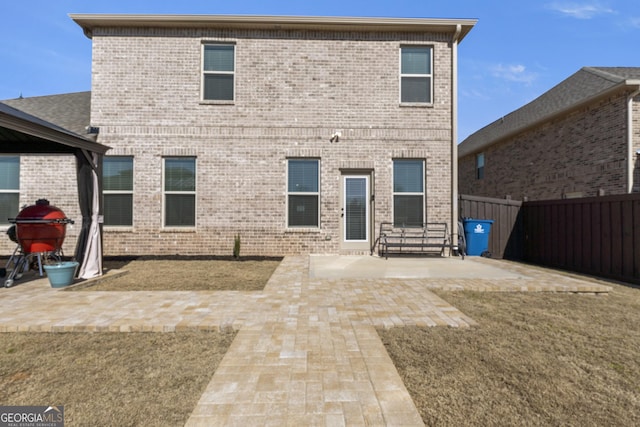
x: 39, y: 230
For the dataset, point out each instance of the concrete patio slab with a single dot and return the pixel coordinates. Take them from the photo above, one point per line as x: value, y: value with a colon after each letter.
x: 375, y: 267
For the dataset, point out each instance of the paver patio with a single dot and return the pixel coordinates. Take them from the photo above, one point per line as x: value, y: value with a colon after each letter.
x: 307, y: 352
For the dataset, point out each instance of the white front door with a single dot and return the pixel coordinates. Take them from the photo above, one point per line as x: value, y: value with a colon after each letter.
x: 355, y: 222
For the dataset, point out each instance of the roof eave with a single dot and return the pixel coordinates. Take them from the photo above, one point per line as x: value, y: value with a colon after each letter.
x: 90, y: 21
x: 630, y: 85
x: 44, y: 132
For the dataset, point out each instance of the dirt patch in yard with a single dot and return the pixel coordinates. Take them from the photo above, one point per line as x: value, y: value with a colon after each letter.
x: 123, y: 379
x: 534, y: 359
x: 190, y: 274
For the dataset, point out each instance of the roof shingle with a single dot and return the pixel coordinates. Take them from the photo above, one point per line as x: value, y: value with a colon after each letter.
x: 71, y: 111
x: 580, y: 87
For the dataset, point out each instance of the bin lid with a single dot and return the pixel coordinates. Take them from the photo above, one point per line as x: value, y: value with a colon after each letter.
x: 478, y: 220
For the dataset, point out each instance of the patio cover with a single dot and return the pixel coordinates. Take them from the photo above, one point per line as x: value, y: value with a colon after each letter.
x: 22, y: 133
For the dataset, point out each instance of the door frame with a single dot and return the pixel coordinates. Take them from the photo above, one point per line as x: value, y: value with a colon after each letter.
x: 364, y: 245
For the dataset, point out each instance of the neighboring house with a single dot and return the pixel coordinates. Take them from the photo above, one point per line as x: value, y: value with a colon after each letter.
x: 579, y: 139
x: 299, y: 134
x: 27, y: 176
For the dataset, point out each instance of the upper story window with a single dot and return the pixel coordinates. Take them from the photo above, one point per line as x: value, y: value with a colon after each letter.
x: 179, y: 191
x: 9, y: 188
x: 117, y: 173
x: 480, y: 166
x: 416, y: 76
x: 218, y: 69
x: 408, y: 193
x: 303, y: 189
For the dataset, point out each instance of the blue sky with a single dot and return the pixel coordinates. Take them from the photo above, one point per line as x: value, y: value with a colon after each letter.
x: 516, y: 52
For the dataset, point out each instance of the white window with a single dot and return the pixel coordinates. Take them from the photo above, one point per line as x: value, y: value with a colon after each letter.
x: 179, y: 191
x: 218, y: 72
x: 416, y: 76
x: 480, y: 166
x: 117, y: 176
x: 9, y: 188
x: 408, y: 193
x: 303, y: 193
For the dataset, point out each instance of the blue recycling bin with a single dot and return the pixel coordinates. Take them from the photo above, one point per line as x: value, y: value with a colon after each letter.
x: 476, y: 234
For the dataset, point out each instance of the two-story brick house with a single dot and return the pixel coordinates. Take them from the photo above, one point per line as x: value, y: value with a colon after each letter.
x: 579, y: 139
x: 299, y: 134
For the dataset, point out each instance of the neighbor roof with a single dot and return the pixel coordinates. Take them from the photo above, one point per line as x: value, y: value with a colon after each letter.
x: 22, y: 132
x: 90, y: 21
x: 582, y: 88
x: 71, y: 111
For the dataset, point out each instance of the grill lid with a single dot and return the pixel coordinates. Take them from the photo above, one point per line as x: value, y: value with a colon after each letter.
x: 41, y: 227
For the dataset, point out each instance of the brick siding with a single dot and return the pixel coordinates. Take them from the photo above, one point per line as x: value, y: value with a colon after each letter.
x: 52, y: 178
x: 583, y: 153
x: 293, y: 90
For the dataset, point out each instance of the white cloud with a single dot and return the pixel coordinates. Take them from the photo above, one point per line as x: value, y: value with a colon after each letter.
x: 584, y: 10
x: 514, y: 73
x: 474, y: 94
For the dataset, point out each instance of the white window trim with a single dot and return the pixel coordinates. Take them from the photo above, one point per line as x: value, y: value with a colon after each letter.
x: 9, y: 191
x: 12, y: 190
x: 430, y: 76
x: 165, y: 193
x: 229, y: 73
x: 116, y: 192
x: 305, y: 193
x: 4, y: 222
x: 404, y: 193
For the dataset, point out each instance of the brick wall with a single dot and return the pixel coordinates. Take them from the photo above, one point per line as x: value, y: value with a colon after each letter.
x: 52, y: 178
x: 293, y: 90
x: 579, y: 154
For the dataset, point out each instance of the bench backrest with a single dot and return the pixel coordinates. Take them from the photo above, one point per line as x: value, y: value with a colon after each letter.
x: 435, y: 230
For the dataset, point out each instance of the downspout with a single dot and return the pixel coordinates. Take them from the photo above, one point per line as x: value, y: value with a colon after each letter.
x: 630, y: 153
x: 454, y: 135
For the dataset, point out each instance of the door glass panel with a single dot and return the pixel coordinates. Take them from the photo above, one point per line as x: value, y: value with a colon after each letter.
x: 355, y: 209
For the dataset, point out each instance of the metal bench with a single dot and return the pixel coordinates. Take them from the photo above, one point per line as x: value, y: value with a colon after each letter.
x: 432, y: 238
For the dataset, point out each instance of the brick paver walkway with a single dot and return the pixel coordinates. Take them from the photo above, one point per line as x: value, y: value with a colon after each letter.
x: 307, y: 352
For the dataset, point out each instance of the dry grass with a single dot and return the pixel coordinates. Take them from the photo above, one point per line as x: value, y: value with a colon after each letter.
x: 187, y: 275
x: 128, y: 379
x: 534, y: 359
x: 123, y: 379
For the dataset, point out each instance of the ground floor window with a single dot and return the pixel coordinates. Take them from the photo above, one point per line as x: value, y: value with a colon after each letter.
x: 179, y: 191
x: 408, y: 193
x: 303, y: 193
x: 117, y: 178
x: 9, y: 188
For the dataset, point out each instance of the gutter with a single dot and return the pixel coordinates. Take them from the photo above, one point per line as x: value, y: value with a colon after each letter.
x: 630, y: 153
x: 330, y: 23
x: 454, y: 132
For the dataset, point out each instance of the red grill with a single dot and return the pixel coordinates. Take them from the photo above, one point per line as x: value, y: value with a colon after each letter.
x: 41, y: 227
x: 39, y: 231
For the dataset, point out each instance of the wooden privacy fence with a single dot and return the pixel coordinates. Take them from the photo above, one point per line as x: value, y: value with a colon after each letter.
x: 506, y: 236
x: 598, y: 236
